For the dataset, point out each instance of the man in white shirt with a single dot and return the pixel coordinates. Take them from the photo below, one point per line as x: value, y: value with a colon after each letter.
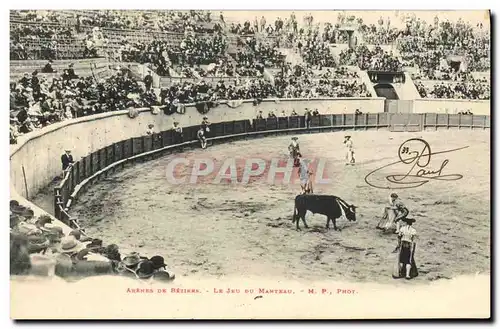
x: 349, y: 151
x: 305, y: 176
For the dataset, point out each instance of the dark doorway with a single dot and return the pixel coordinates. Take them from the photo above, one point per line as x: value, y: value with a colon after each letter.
x: 386, y: 90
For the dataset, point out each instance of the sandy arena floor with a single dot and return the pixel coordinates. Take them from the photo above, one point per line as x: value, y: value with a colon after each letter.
x: 208, y: 229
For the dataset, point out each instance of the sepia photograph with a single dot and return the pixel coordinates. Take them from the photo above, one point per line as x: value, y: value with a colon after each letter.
x: 214, y: 164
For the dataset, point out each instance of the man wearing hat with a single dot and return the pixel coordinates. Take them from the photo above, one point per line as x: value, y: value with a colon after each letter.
x: 145, y: 269
x: 294, y: 147
x: 37, y: 243
x: 66, y: 160
x: 305, y: 175
x: 48, y: 67
x: 77, y: 234
x: 158, y: 262
x: 148, y: 81
x: 205, y: 124
x: 407, y: 242
x: 178, y: 138
x: 307, y: 118
x: 131, y: 260
x: 71, y: 72
x: 42, y: 221
x: 349, y: 150
x: 13, y: 130
x: 399, y: 209
x: 69, y: 245
x: 19, y: 254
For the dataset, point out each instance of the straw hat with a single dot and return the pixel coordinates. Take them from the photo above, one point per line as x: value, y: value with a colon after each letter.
x: 70, y: 245
x: 131, y: 259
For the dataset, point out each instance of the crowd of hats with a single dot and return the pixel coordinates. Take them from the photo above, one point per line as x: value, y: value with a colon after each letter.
x: 419, y: 41
x: 376, y: 59
x: 40, y: 247
x: 425, y: 44
x: 64, y: 25
x: 161, y: 56
x: 37, y: 102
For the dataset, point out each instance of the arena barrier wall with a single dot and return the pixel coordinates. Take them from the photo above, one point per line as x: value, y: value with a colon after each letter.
x: 118, y: 155
x: 88, y: 134
x: 107, y: 142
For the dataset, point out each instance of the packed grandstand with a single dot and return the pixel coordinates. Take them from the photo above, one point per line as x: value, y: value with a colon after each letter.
x: 254, y: 59
x: 69, y: 64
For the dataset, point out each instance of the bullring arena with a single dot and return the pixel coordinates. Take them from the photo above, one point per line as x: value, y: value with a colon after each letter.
x: 131, y: 185
x: 210, y: 229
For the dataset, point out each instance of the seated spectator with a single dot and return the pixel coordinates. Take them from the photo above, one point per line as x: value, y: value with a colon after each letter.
x: 271, y: 114
x: 48, y: 68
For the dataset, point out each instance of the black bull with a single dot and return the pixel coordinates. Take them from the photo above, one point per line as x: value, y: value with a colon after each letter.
x: 328, y: 205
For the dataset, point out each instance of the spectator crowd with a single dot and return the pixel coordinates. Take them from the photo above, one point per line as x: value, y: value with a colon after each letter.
x: 455, y: 90
x: 39, y: 246
x: 438, y: 50
x: 37, y: 102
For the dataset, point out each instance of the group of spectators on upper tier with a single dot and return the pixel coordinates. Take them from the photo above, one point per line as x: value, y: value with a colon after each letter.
x: 454, y: 90
x: 36, y: 102
x: 376, y: 59
x: 257, y: 66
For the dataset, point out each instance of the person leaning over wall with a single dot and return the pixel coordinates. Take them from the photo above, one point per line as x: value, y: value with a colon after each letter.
x: 66, y: 161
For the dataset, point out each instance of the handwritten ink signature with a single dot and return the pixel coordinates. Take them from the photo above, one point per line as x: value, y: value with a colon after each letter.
x: 416, y: 153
